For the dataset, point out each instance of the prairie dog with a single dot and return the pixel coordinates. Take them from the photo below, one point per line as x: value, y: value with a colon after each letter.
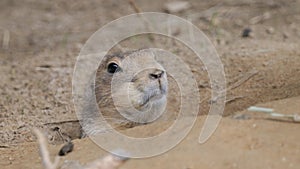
x: 130, y: 88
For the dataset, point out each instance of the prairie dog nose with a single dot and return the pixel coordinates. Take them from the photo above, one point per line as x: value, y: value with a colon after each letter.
x: 156, y: 74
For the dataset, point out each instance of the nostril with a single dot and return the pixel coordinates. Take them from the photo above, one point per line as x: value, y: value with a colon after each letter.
x: 156, y: 75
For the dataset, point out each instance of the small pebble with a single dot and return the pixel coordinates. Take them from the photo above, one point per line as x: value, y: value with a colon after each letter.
x: 270, y: 30
x: 283, y: 159
x: 247, y: 32
x: 265, y: 64
x: 221, y: 42
x: 67, y: 148
x: 177, y: 6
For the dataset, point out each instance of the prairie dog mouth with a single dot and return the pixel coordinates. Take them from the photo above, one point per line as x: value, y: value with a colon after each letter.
x: 155, y: 96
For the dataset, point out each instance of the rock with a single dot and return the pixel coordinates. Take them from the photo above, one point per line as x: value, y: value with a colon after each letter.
x: 270, y: 30
x: 247, y: 32
x: 221, y: 42
x: 265, y: 64
x: 67, y: 148
x: 177, y: 6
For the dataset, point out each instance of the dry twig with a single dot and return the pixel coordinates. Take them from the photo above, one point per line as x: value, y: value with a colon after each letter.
x: 275, y: 116
x: 44, y: 151
x: 108, y: 162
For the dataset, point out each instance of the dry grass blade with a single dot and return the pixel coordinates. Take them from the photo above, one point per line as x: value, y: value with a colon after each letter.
x: 134, y: 6
x: 6, y: 39
x: 244, y: 79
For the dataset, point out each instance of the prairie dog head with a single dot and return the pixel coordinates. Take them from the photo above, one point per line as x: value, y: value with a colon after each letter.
x: 132, y: 86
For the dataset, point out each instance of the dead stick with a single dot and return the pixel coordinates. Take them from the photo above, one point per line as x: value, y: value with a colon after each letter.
x: 44, y: 151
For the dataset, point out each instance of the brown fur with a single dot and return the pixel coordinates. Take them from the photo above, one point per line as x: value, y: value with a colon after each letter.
x: 133, y: 92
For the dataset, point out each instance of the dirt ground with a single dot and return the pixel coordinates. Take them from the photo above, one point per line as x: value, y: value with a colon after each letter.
x: 41, y: 40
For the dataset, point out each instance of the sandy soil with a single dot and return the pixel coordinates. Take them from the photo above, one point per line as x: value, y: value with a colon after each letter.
x: 251, y: 143
x: 45, y: 38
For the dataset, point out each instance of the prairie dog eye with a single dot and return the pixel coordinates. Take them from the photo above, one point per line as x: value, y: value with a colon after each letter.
x: 112, y: 67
